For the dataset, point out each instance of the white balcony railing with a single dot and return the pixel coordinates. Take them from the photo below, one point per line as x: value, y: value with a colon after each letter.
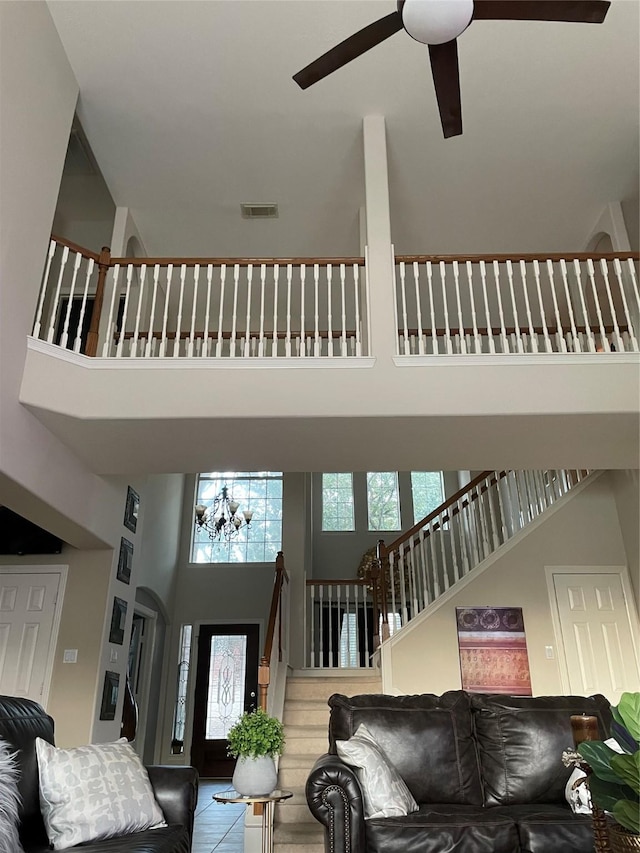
x: 519, y: 305
x: 193, y: 308
x: 340, y: 627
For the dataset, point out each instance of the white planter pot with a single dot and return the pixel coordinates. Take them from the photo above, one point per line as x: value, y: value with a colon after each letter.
x: 255, y: 777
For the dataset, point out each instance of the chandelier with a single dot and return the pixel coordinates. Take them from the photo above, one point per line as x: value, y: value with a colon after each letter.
x: 221, y: 519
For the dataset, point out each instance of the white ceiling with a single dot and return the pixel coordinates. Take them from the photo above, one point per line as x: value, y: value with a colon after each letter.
x: 190, y: 109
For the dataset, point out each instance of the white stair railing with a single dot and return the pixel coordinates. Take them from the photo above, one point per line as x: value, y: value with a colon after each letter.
x: 449, y: 543
x: 526, y: 304
x: 339, y: 624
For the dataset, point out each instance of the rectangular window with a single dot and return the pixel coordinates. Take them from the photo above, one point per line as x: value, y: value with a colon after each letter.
x: 428, y: 493
x: 337, y: 502
x: 383, y: 501
x: 259, y: 492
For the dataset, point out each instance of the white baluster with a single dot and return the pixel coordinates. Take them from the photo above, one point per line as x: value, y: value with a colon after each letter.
x: 156, y: 275
x: 545, y: 330
x: 445, y: 305
x: 504, y: 519
x: 165, y: 316
x: 559, y: 328
x: 207, y: 313
x: 247, y: 322
x: 404, y: 612
x: 465, y: 554
x: 356, y: 293
x: 503, y: 330
x: 43, y: 290
x: 525, y: 290
x: 483, y: 279
x: 65, y: 329
x: 435, y: 578
x: 456, y: 280
x: 133, y: 350
x: 445, y: 567
x: 567, y: 296
x: 192, y: 331
x: 516, y: 319
x: 392, y: 586
x: 634, y: 289
x: 108, y: 339
x: 423, y: 567
x: 330, y: 311
x: 178, y: 338
x: 477, y: 341
x: 452, y: 544
x: 434, y: 328
x: 234, y: 318
x: 619, y: 278
x: 495, y: 539
x: 596, y: 301
x: 56, y: 298
x: 416, y: 283
x: 316, y: 276
x: 83, y: 306
x: 125, y: 312
x: 616, y: 329
x: 403, y: 302
x: 287, y: 343
x: 578, y: 274
x: 321, y: 624
x: 276, y: 281
x: 303, y: 276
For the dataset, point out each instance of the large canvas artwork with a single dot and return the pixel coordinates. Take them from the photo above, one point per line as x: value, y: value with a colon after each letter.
x: 493, y: 650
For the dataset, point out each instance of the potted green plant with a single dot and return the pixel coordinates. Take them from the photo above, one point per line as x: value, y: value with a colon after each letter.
x: 255, y: 740
x: 615, y: 779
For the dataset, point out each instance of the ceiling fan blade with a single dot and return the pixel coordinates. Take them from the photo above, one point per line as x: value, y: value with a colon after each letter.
x: 578, y: 11
x: 446, y: 79
x: 349, y: 49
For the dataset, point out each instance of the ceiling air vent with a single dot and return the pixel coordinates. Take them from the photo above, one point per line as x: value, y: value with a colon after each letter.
x: 259, y: 211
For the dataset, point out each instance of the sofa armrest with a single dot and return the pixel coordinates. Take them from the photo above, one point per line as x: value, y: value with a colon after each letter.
x: 176, y: 790
x: 335, y: 799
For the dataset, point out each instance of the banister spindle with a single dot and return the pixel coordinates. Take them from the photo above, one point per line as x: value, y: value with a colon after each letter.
x: 165, y: 317
x: 604, y: 340
x: 303, y: 337
x: 616, y: 329
x: 192, y: 330
x: 276, y: 281
x: 585, y: 314
x: 150, y: 338
x: 487, y: 313
x: 403, y: 302
x: 207, y: 312
x: 44, y: 288
x: 434, y: 327
x: 176, y: 342
x: 617, y: 267
x: 356, y: 293
x: 247, y: 322
x: 447, y: 329
x: 56, y: 298
x: 65, y: 328
x: 574, y: 332
x: 109, y: 337
x: 562, y: 344
x: 545, y: 330
x: 525, y: 290
x: 456, y: 282
x: 503, y: 329
x: 516, y: 319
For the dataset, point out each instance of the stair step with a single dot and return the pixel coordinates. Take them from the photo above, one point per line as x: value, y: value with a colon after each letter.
x: 306, y: 838
x: 299, y: 813
x: 300, y: 712
x: 321, y: 687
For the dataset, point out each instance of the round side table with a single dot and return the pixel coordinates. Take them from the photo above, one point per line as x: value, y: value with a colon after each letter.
x: 267, y: 801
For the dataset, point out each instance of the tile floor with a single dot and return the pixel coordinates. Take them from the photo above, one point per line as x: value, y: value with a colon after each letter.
x: 217, y: 827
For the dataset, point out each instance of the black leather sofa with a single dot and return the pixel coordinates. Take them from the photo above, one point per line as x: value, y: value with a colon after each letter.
x: 175, y: 788
x: 485, y: 769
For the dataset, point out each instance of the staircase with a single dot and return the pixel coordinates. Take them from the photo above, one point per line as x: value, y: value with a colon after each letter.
x: 306, y: 720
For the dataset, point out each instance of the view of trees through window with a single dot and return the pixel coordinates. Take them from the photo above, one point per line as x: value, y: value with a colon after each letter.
x: 258, y: 491
x: 384, y: 499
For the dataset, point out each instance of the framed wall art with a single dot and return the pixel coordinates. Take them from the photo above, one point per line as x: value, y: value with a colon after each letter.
x: 131, y: 510
x: 493, y: 650
x: 118, y: 618
x: 125, y: 560
x: 109, y: 695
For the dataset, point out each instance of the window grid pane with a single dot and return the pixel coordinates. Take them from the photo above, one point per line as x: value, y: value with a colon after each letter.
x: 337, y: 502
x: 383, y: 501
x: 428, y: 493
x: 258, y: 491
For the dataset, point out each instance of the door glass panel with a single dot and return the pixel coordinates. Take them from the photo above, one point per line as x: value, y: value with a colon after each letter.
x: 227, y: 670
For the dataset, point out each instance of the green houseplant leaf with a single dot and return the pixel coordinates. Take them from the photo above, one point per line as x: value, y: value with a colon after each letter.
x: 255, y: 734
x: 607, y: 794
x: 629, y: 710
x: 627, y: 813
x: 627, y: 767
x: 598, y: 756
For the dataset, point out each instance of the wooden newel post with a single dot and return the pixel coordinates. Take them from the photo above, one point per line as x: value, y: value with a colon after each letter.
x: 263, y: 683
x: 104, y: 263
x: 383, y: 562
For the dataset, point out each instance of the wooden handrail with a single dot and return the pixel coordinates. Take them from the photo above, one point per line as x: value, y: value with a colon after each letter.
x: 75, y: 247
x: 522, y: 256
x: 281, y: 577
x: 241, y: 262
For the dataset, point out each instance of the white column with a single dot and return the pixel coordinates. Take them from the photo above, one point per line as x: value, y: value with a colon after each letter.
x: 378, y: 228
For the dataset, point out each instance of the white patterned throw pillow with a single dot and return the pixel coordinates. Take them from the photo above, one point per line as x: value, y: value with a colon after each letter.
x: 94, y: 792
x: 385, y: 792
x: 9, y: 800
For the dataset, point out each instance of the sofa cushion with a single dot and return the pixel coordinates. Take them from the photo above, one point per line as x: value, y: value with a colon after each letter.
x: 93, y: 792
x: 429, y: 739
x: 385, y: 794
x: 170, y: 839
x: 520, y: 743
x: 543, y: 828
x: 443, y: 829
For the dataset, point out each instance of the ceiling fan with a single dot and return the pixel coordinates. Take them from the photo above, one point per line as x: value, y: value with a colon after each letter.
x: 438, y: 23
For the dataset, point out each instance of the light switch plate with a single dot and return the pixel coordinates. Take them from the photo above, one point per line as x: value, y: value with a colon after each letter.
x: 549, y: 653
x: 70, y: 656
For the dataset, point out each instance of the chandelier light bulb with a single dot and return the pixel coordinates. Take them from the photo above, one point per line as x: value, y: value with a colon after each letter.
x: 436, y: 21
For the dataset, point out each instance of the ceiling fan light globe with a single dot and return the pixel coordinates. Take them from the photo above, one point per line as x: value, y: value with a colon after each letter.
x: 436, y: 21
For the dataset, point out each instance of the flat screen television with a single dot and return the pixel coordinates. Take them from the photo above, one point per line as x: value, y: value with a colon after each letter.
x: 20, y: 536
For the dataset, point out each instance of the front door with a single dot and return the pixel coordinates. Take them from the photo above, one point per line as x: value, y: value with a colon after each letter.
x: 598, y: 630
x: 226, y: 686
x: 27, y: 615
